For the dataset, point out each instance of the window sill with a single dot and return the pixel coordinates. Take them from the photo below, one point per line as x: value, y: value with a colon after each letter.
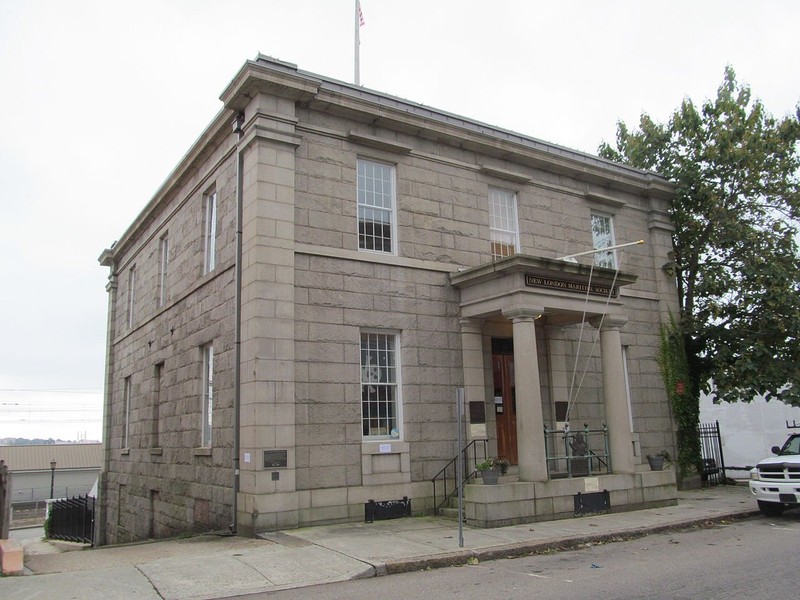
x: 201, y: 451
x: 156, y: 451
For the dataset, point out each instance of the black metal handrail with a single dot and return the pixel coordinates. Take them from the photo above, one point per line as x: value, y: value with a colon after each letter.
x: 448, y: 475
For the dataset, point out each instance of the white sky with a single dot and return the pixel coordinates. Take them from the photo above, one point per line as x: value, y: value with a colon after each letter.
x: 99, y: 100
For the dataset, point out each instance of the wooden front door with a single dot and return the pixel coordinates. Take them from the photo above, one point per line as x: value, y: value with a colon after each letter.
x: 505, y: 406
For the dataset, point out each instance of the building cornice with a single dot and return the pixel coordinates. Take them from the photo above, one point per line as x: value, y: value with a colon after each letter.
x: 373, y: 109
x: 535, y: 265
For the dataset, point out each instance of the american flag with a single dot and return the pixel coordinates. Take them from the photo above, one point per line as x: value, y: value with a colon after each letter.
x: 360, y: 14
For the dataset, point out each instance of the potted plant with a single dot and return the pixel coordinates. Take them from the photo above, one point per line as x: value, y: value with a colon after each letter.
x: 491, y: 469
x: 658, y: 460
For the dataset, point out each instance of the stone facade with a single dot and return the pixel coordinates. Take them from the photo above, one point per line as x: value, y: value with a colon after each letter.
x: 287, y: 303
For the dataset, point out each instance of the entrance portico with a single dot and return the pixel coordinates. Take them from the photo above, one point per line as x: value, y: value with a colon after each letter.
x: 525, y: 290
x: 540, y: 304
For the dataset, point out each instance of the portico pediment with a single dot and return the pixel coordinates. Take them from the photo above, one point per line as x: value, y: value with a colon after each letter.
x: 561, y: 287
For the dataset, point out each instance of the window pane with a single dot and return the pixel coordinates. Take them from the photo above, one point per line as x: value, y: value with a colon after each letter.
x: 210, y: 232
x: 131, y: 295
x: 503, y: 222
x: 375, y: 206
x: 208, y: 395
x: 126, y: 426
x: 602, y: 237
x: 164, y: 267
x: 379, y: 385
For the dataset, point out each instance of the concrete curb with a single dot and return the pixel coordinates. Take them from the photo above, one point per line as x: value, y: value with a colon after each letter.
x: 519, y: 549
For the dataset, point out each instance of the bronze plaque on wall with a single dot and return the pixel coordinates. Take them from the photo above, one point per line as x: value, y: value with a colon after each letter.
x: 275, y: 459
x: 477, y: 412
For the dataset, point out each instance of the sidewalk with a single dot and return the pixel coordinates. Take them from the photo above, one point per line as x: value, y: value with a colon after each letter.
x: 219, y: 566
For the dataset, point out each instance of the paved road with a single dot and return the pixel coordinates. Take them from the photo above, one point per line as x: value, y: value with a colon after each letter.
x: 749, y: 560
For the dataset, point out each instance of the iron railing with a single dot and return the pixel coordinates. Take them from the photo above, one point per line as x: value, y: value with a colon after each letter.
x: 580, y: 453
x: 447, y: 479
x: 711, y: 450
x: 71, y: 519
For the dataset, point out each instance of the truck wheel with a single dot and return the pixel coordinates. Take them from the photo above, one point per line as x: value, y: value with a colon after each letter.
x: 770, y: 509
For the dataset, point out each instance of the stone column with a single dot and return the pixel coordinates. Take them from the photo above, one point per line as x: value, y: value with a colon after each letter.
x: 267, y: 501
x: 472, y: 360
x: 530, y: 423
x: 616, y: 403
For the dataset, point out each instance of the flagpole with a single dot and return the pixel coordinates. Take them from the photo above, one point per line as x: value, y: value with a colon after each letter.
x: 357, y: 44
x: 599, y: 250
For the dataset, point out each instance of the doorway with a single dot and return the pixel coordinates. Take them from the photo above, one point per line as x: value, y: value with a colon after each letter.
x: 505, y: 402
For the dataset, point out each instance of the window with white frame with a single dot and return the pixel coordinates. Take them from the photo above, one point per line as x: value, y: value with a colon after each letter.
x: 603, y: 237
x: 126, y: 423
x: 503, y: 227
x: 380, y: 391
x: 163, y: 269
x: 131, y: 294
x: 210, y: 231
x: 208, y: 395
x: 376, y: 206
x: 157, y: 401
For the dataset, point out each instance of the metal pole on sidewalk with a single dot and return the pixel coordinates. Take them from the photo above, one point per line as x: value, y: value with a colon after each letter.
x: 460, y: 465
x: 52, y: 476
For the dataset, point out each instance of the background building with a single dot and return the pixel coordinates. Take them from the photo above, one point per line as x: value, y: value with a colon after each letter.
x: 291, y: 314
x: 71, y: 468
x: 749, y: 430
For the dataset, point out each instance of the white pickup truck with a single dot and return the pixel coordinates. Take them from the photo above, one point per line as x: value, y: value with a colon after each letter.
x: 775, y: 481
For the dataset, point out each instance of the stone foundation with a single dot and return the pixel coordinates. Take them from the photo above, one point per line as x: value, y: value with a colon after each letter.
x: 515, y: 502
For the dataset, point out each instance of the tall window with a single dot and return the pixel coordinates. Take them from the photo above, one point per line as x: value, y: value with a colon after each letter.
x: 210, y: 231
x: 156, y: 431
x: 376, y: 206
x: 208, y: 394
x: 379, y: 386
x: 603, y: 237
x: 503, y: 223
x: 131, y: 294
x: 163, y: 270
x: 126, y: 423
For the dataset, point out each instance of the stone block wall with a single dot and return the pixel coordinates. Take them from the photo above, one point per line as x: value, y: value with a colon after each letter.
x: 335, y: 300
x: 161, y: 483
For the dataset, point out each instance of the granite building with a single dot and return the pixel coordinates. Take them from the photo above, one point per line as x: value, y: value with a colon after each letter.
x: 292, y: 315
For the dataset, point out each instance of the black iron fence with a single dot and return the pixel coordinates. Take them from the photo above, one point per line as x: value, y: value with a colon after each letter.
x: 579, y: 453
x: 711, y: 449
x: 71, y: 520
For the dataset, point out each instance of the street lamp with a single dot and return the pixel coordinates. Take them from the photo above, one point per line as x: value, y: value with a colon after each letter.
x: 52, y: 476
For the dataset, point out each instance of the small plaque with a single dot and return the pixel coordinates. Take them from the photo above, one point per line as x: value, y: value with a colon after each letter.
x: 591, y: 484
x: 385, y: 448
x: 247, y: 457
x: 477, y: 431
x: 477, y: 412
x: 275, y: 459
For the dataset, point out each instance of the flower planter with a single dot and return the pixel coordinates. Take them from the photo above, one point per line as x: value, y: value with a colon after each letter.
x: 490, y: 476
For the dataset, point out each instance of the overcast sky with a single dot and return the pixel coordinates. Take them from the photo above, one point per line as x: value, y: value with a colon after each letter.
x: 99, y: 100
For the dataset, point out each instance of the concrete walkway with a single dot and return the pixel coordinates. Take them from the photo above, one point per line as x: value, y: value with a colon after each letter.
x: 218, y: 566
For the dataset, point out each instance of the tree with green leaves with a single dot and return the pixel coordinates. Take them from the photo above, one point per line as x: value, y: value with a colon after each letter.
x: 735, y: 243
